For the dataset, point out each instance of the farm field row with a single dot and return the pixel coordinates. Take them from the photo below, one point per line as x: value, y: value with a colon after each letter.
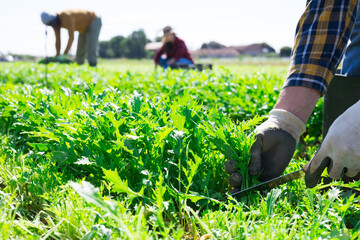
x: 124, y: 152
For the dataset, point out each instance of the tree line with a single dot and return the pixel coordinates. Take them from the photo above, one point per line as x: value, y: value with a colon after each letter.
x: 132, y: 47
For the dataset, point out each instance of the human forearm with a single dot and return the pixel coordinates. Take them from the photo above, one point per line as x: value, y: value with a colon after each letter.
x: 298, y: 100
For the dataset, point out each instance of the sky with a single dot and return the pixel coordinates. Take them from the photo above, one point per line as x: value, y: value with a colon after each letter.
x: 229, y: 22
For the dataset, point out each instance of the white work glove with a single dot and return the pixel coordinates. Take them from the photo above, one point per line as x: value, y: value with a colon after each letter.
x: 340, y: 150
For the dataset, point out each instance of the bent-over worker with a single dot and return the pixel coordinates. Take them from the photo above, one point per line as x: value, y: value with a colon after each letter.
x: 86, y: 23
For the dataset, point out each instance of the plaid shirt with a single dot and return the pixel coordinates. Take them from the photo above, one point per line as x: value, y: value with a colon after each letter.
x: 321, y: 37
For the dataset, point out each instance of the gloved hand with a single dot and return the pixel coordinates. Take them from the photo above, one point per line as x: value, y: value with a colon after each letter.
x: 340, y: 150
x: 275, y: 144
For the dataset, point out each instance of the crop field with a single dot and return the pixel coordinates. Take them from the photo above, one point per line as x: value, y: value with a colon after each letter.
x: 124, y: 151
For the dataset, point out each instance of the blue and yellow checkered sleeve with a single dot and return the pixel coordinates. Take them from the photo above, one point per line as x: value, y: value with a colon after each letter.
x: 321, y: 37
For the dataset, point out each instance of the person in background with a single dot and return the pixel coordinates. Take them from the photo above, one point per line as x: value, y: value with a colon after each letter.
x: 321, y: 37
x: 86, y: 23
x: 173, y: 51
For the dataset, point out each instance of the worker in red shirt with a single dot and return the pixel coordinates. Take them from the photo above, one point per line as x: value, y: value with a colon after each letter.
x: 173, y: 51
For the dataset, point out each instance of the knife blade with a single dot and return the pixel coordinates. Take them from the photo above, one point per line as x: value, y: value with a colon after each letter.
x: 271, y: 183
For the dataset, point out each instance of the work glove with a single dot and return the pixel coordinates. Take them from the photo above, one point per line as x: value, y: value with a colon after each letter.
x: 339, y: 151
x: 275, y: 144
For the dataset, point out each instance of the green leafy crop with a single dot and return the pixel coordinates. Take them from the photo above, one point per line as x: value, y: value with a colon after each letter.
x: 95, y: 154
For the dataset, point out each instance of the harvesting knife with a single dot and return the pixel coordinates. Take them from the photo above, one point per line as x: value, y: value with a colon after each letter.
x: 271, y: 183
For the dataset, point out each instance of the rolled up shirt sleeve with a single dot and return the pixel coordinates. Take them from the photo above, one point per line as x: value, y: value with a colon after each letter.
x: 320, y: 40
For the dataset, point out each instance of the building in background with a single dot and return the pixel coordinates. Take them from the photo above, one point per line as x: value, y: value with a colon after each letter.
x: 216, y: 50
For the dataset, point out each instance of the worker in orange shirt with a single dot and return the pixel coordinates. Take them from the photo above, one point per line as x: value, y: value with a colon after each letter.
x: 86, y: 23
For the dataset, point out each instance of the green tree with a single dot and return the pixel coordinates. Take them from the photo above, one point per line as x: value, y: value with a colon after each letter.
x: 285, y: 52
x: 104, y: 46
x: 135, y: 45
x: 116, y: 45
x: 131, y: 47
